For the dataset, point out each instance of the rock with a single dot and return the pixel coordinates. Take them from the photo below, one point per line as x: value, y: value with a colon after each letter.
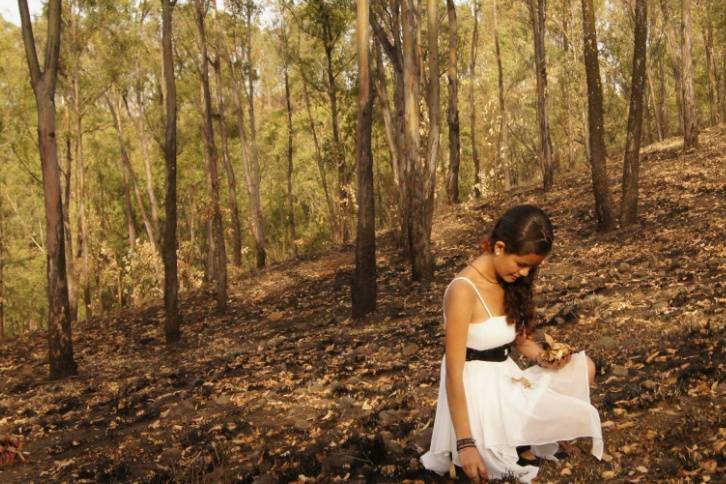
x: 606, y: 343
x: 410, y: 349
x: 619, y: 370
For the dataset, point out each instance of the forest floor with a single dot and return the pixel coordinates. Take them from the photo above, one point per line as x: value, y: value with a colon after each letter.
x: 286, y: 387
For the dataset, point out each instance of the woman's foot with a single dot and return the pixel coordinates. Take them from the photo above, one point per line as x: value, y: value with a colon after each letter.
x: 526, y: 456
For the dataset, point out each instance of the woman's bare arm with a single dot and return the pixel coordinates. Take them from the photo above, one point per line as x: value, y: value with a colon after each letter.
x: 532, y: 351
x: 459, y: 306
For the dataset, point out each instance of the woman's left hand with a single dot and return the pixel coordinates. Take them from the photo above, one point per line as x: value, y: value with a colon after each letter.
x: 554, y: 365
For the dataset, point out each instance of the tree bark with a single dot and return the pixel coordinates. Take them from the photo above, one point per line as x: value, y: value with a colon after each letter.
x: 228, y: 168
x: 2, y: 270
x: 714, y: 94
x: 675, y: 54
x: 472, y: 99
x: 171, y: 281
x: 129, y: 175
x: 253, y: 175
x: 631, y: 162
x: 452, y: 178
x: 60, y: 346
x: 537, y: 14
x: 363, y: 287
x: 219, y: 253
x: 598, y: 156
x: 690, y: 115
x: 500, y: 161
x: 288, y: 105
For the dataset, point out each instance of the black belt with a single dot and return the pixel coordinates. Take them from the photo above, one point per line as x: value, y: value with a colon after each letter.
x: 500, y: 353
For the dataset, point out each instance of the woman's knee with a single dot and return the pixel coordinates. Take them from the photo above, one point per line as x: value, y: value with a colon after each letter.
x: 591, y: 370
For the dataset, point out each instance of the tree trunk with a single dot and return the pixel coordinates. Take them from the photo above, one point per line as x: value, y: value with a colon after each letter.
x: 332, y: 220
x: 2, y: 271
x: 655, y: 109
x: 229, y: 169
x: 394, y: 51
x: 537, y: 14
x: 714, y: 95
x: 288, y: 105
x: 60, y: 346
x: 452, y: 181
x: 690, y: 115
x: 363, y: 287
x: 218, y: 248
x: 67, y: 191
x: 500, y: 161
x: 631, y: 161
x: 420, y: 163
x: 129, y: 175
x: 171, y: 281
x: 675, y: 54
x: 472, y: 99
x: 339, y: 155
x: 254, y: 175
x: 598, y: 156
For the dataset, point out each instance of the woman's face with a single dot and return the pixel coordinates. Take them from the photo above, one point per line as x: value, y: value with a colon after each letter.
x: 511, y: 267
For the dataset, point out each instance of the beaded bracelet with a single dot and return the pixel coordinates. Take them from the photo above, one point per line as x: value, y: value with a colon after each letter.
x: 464, y: 443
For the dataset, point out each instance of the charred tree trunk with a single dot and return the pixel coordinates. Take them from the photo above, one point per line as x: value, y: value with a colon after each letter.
x: 537, y: 15
x: 598, y: 156
x: 631, y: 162
x: 219, y: 272
x: 363, y: 287
x: 690, y: 115
x: 452, y: 177
x: 171, y: 281
x: 60, y: 346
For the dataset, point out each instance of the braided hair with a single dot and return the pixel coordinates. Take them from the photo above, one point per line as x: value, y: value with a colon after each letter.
x: 524, y: 229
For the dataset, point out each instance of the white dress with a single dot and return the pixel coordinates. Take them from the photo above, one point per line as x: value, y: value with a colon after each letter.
x: 509, y: 407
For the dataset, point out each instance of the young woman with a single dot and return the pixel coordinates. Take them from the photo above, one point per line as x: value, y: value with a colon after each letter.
x: 487, y: 405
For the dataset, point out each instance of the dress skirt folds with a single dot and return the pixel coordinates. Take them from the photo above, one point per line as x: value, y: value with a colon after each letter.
x: 509, y: 407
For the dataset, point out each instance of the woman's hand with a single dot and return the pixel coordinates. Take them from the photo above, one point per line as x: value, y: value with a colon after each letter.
x: 473, y: 465
x: 553, y: 365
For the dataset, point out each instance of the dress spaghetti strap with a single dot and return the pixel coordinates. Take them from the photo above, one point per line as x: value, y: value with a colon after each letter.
x: 481, y: 299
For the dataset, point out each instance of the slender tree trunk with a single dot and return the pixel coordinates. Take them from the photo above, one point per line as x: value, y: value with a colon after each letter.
x: 363, y: 287
x: 662, y: 98
x: 220, y: 255
x: 500, y: 161
x: 631, y: 162
x: 60, y: 346
x: 675, y: 54
x: 452, y: 181
x: 690, y: 115
x: 67, y: 191
x: 394, y: 51
x: 171, y: 281
x: 129, y: 175
x: 655, y: 109
x: 2, y: 270
x: 256, y: 204
x: 472, y: 99
x: 332, y: 220
x: 598, y: 156
x: 288, y: 106
x: 537, y: 14
x: 343, y: 179
x: 714, y: 95
x: 229, y: 169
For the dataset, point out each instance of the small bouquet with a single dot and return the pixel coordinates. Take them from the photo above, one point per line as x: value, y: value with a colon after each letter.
x: 555, y: 352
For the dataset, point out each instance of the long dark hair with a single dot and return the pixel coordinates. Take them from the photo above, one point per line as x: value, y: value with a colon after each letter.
x: 524, y: 229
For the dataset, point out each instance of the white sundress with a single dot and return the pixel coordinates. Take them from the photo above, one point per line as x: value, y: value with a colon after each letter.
x: 506, y: 411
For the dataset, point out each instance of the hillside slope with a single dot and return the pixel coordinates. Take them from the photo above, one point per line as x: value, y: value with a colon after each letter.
x: 286, y: 387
